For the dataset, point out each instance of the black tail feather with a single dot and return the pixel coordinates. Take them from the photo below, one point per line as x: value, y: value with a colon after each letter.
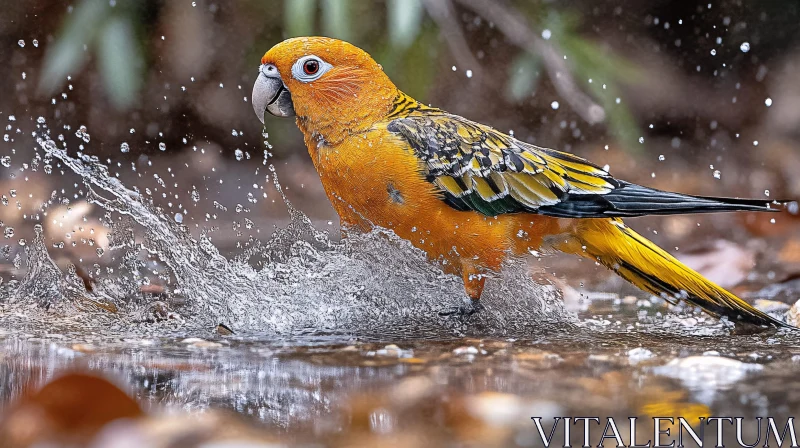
x: 635, y: 200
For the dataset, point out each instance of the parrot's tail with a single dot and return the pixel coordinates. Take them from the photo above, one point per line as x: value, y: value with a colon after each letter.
x: 652, y: 269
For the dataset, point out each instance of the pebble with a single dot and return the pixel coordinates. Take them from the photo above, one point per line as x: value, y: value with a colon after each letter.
x: 392, y: 350
x: 201, y: 343
x: 465, y: 351
x: 639, y: 354
x: 793, y: 316
x: 706, y: 375
x: 771, y: 306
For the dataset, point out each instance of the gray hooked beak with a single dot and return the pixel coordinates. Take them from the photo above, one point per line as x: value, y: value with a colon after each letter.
x: 270, y: 94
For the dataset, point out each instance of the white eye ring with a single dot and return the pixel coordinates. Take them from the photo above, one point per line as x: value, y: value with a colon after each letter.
x: 299, y: 69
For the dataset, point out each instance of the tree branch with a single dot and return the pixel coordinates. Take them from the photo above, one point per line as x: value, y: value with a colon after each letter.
x: 518, y: 33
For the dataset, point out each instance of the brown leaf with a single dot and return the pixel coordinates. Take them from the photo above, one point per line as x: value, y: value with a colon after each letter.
x: 69, y: 409
x: 723, y: 262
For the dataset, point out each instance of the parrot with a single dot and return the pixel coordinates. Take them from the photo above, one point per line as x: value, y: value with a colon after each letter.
x: 466, y: 194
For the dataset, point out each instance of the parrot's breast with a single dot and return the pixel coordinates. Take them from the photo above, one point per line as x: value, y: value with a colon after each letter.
x: 374, y: 179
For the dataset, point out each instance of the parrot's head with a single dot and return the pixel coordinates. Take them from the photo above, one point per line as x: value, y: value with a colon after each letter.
x: 330, y: 85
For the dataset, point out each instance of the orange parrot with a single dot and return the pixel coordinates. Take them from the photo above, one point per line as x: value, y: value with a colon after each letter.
x: 465, y: 193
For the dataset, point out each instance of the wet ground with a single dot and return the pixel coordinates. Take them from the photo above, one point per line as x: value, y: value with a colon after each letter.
x: 350, y: 391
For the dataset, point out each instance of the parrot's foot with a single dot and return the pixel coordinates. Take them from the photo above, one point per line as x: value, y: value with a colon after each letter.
x: 466, y: 309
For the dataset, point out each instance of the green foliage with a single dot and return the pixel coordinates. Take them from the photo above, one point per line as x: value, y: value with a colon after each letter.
x: 408, y: 44
x: 299, y: 17
x: 119, y: 58
x: 336, y: 19
x: 524, y: 73
x: 607, y: 71
x: 405, y: 21
x: 108, y: 31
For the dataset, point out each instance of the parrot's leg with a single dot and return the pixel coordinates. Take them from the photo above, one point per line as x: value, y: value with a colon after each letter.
x: 467, y: 309
x: 473, y: 286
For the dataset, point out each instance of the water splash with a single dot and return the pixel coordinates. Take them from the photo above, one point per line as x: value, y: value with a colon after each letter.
x: 374, y: 285
x: 43, y: 279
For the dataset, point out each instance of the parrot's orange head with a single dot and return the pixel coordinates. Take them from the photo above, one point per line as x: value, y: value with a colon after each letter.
x: 333, y: 87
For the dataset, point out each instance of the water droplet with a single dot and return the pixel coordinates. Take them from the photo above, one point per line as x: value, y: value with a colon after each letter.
x: 239, y: 154
x: 713, y: 52
x: 8, y: 232
x: 162, y: 146
x: 661, y: 158
x: 179, y: 217
x: 745, y: 47
x: 124, y: 147
x: 641, y: 139
x: 13, y: 193
x: 99, y: 251
x: 5, y: 161
x: 554, y: 105
x: 766, y: 193
x: 83, y: 134
x: 717, y: 174
x: 547, y: 34
x: 195, y: 196
x: 469, y: 73
x: 21, y: 43
x: 35, y: 43
x: 768, y: 102
x: 454, y: 68
x: 755, y: 142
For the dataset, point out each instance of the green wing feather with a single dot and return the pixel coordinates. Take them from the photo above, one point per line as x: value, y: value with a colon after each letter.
x: 479, y: 168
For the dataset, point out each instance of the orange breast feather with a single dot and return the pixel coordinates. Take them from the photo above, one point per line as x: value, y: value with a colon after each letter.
x: 375, y: 179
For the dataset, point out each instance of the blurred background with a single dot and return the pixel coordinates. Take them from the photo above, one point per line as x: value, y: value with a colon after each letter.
x: 700, y: 97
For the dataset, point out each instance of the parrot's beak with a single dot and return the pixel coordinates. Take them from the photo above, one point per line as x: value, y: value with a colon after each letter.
x: 270, y: 94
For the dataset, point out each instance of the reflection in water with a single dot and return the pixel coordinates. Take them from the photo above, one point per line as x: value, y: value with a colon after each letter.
x: 486, y: 390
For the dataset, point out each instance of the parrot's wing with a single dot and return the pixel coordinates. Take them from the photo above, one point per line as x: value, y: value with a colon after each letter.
x: 479, y: 168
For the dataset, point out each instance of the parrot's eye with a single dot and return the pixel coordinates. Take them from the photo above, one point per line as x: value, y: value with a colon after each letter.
x: 309, y: 68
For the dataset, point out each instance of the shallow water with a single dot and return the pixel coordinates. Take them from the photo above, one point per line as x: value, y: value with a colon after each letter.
x: 316, y: 388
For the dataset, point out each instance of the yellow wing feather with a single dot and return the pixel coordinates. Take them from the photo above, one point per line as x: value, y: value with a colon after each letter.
x: 501, y: 173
